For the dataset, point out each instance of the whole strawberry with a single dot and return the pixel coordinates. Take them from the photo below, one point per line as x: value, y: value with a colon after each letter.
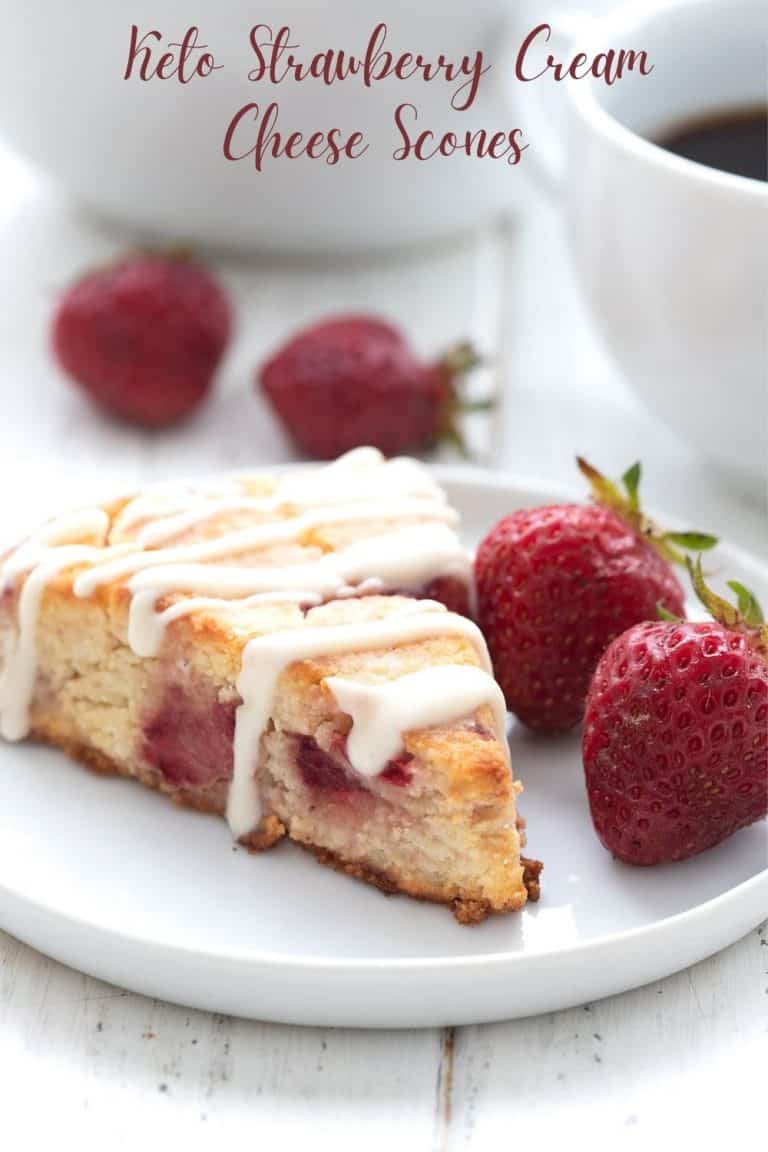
x: 143, y: 337
x: 676, y: 732
x: 557, y: 584
x: 354, y: 380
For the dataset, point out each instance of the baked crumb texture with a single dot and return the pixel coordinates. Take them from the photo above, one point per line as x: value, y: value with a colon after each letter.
x: 439, y: 823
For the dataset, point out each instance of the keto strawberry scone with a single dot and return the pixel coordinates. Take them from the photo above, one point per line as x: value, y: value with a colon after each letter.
x: 270, y: 649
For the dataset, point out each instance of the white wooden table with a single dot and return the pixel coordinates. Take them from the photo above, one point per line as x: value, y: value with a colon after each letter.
x: 683, y: 1059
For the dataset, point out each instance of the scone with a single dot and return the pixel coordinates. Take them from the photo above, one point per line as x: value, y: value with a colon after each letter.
x: 272, y: 649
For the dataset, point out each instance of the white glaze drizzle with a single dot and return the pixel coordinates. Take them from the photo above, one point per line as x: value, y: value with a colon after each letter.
x: 167, y: 510
x: 160, y: 501
x: 146, y: 626
x: 402, y: 560
x: 362, y: 474
x: 265, y: 657
x: 397, y: 478
x: 43, y: 556
x: 257, y: 537
x: 166, y: 528
x: 304, y: 487
x: 71, y: 528
x: 383, y: 712
x: 361, y: 486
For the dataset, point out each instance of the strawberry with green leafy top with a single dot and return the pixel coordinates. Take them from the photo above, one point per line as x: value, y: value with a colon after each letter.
x: 557, y: 584
x: 675, y: 740
x: 355, y: 380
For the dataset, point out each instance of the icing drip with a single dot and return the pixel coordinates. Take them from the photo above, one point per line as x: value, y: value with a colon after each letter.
x: 168, y: 527
x: 73, y: 528
x: 258, y: 537
x: 373, y: 476
x: 382, y: 713
x: 146, y: 627
x: 265, y: 657
x: 362, y: 474
x: 43, y: 556
x: 402, y: 560
x: 162, y: 501
x: 18, y: 678
x: 167, y: 510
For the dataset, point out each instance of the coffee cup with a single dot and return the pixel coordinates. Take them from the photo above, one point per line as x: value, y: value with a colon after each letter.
x: 672, y: 253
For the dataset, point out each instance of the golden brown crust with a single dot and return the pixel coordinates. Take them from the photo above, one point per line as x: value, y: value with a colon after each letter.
x: 465, y: 910
x: 471, y: 911
x: 531, y: 872
x: 269, y: 832
x: 102, y: 765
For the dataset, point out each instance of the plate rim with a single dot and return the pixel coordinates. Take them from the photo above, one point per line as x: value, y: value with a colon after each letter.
x: 741, y: 892
x: 451, y: 475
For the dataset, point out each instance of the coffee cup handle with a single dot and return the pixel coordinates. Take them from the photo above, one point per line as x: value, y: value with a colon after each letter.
x: 546, y: 155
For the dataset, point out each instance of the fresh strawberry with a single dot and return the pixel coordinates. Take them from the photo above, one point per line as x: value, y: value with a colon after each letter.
x: 354, y: 380
x: 450, y: 591
x: 144, y: 336
x: 556, y: 584
x: 676, y: 732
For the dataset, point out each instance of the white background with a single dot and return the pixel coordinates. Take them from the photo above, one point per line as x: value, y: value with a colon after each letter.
x: 683, y: 1060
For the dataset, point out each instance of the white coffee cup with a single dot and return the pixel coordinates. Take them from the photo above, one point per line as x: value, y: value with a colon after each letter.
x: 150, y: 153
x: 673, y: 255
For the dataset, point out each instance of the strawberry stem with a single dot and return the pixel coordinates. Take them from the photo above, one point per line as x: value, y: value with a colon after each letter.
x: 460, y: 359
x: 746, y: 616
x: 455, y: 365
x: 631, y: 481
x: 482, y: 404
x: 604, y: 490
x: 671, y: 545
x: 748, y: 604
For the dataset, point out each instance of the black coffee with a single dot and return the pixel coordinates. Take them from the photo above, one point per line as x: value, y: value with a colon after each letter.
x: 734, y: 141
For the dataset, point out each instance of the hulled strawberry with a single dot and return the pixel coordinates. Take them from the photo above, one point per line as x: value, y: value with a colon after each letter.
x: 144, y: 336
x: 676, y: 732
x: 354, y: 380
x: 557, y: 584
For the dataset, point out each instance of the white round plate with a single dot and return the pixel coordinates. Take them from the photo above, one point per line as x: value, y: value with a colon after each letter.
x: 110, y: 879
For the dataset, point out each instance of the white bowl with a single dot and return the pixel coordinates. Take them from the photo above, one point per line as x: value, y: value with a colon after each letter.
x: 151, y: 153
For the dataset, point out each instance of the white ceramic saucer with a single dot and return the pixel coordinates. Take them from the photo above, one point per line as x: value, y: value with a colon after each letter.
x: 108, y: 878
